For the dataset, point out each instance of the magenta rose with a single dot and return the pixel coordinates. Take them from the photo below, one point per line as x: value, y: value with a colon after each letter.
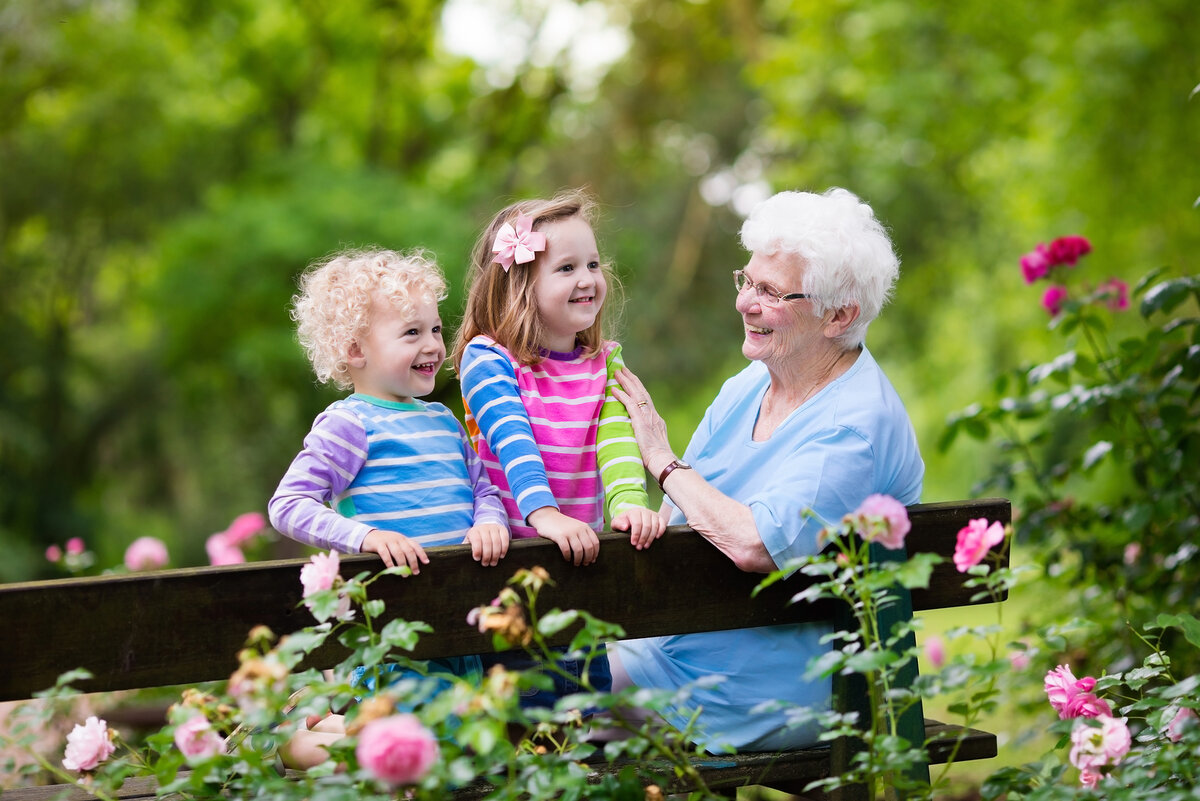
x: 1054, y: 298
x: 197, y: 739
x: 882, y: 519
x: 75, y: 546
x: 1036, y: 264
x: 974, y: 541
x: 88, y: 744
x: 397, y: 750
x: 53, y: 553
x: 146, y: 553
x: 1067, y: 250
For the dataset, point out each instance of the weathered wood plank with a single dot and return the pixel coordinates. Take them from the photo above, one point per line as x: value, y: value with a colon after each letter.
x: 186, y: 626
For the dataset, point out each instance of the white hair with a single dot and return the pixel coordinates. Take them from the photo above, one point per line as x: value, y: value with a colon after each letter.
x: 848, y: 254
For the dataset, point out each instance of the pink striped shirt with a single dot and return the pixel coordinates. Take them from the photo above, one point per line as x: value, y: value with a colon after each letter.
x: 536, y: 428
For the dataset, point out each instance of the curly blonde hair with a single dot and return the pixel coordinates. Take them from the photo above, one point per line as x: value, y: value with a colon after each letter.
x: 333, y: 308
x: 501, y: 303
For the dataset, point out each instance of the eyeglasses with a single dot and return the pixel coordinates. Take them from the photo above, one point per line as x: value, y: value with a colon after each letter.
x: 743, y: 282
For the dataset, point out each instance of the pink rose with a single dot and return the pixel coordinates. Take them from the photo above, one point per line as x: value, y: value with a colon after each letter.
x: 1117, y: 293
x: 244, y: 527
x: 1086, y: 705
x: 1054, y: 299
x: 1183, y: 719
x: 1132, y: 551
x: 88, y: 744
x: 1036, y: 264
x: 75, y: 546
x: 974, y: 541
x: 53, y: 553
x: 146, y: 553
x: 1089, y: 777
x: 1059, y: 685
x: 320, y: 573
x: 1067, y: 250
x: 222, y: 552
x: 882, y: 519
x: 397, y: 749
x: 1097, y: 746
x: 197, y: 739
x: 935, y: 651
x: 1073, y: 698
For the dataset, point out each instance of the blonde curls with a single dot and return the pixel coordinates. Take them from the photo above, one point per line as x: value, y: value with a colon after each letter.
x: 333, y: 307
x: 501, y: 304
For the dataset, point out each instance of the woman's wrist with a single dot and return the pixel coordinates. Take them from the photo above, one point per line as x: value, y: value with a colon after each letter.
x: 658, y: 460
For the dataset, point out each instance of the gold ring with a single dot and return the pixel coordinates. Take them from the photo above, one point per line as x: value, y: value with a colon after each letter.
x: 642, y: 403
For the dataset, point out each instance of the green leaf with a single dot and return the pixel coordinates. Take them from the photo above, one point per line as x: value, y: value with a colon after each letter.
x: 374, y: 609
x: 1095, y: 453
x: 870, y: 661
x: 555, y: 621
x: 304, y: 641
x: 404, y: 634
x: 1188, y: 624
x: 916, y: 572
x: 1164, y: 297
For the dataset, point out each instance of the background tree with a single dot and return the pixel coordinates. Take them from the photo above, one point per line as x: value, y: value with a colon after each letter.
x: 169, y: 167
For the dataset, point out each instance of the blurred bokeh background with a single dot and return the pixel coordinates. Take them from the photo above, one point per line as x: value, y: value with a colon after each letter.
x: 167, y: 167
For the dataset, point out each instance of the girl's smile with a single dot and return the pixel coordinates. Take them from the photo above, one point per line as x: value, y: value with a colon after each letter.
x: 570, y: 286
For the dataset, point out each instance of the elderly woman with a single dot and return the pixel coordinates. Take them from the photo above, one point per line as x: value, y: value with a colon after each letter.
x: 811, y: 423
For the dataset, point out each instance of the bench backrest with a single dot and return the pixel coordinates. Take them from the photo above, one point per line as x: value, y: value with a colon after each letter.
x: 185, y: 626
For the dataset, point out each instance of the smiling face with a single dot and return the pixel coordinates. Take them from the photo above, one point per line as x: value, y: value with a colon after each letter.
x: 778, y: 333
x: 399, y: 356
x: 570, y: 286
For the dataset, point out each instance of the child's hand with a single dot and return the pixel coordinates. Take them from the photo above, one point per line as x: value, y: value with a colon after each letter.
x: 395, y: 549
x: 578, y: 543
x: 489, y: 543
x: 644, y: 525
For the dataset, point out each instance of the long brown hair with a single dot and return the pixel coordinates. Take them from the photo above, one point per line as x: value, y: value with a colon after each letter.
x: 501, y: 304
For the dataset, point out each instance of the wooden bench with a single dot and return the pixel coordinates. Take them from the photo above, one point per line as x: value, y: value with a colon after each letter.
x: 186, y: 626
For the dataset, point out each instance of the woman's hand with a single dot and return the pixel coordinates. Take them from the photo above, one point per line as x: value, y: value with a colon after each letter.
x: 396, y: 550
x: 649, y: 429
x: 578, y: 543
x: 489, y: 543
x: 644, y: 526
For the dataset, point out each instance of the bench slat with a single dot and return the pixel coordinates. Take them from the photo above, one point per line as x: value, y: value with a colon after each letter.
x: 159, y: 628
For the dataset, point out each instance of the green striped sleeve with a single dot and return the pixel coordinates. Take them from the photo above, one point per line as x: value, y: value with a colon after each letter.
x: 617, y: 453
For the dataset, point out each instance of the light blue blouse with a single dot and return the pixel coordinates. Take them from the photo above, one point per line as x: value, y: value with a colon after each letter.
x: 852, y: 439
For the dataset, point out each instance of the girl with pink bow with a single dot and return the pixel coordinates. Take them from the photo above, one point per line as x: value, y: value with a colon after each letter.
x: 537, y: 377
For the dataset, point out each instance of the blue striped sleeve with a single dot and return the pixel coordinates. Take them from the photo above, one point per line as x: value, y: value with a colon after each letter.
x: 489, y: 386
x: 333, y: 453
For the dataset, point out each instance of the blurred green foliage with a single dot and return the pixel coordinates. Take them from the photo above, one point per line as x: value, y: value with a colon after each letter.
x: 167, y: 167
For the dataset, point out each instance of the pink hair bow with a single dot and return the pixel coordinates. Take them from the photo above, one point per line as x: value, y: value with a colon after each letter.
x: 517, y: 244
